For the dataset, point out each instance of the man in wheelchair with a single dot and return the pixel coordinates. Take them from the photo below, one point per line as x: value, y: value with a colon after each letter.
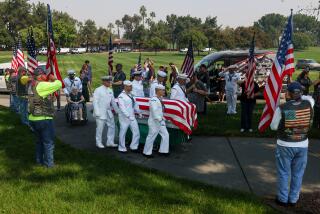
x: 76, y: 104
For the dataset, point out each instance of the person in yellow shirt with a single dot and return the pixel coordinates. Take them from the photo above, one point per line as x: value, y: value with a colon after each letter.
x: 41, y: 111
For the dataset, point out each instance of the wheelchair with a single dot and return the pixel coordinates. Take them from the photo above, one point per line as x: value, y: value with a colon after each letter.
x: 70, y: 117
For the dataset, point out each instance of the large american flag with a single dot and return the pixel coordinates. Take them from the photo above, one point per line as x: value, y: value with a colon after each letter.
x: 32, y: 53
x: 188, y: 63
x: 14, y: 63
x: 110, y: 57
x: 139, y: 68
x: 249, y: 87
x: 20, y: 55
x: 283, y: 65
x: 52, y: 63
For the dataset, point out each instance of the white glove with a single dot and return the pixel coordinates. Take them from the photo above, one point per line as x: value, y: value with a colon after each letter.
x: 163, y: 123
x: 131, y: 118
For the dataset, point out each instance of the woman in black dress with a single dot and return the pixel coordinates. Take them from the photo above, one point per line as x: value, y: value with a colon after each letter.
x: 85, y: 81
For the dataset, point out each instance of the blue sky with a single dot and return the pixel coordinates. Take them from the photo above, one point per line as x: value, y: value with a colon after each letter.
x: 231, y: 13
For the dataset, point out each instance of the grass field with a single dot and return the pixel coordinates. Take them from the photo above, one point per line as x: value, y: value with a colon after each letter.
x: 99, y: 60
x: 84, y: 182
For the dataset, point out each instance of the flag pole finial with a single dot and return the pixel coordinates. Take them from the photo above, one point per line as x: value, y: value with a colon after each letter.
x: 291, y: 11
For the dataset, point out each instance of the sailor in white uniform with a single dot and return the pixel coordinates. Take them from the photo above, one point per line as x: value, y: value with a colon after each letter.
x: 137, y: 87
x: 161, y: 75
x: 127, y: 119
x: 178, y: 91
x: 70, y: 82
x: 103, y: 100
x: 157, y: 124
x: 231, y: 78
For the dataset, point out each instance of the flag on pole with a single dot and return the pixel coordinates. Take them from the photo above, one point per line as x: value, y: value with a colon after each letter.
x: 32, y: 53
x: 139, y: 68
x: 188, y: 63
x: 249, y: 87
x: 20, y: 55
x: 283, y: 65
x: 14, y: 63
x: 52, y: 63
x: 110, y: 58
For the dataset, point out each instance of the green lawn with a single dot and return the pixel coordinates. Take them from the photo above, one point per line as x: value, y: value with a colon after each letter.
x: 84, y: 182
x: 218, y: 123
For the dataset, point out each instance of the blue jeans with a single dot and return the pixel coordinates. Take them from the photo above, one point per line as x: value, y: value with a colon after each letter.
x: 15, y: 103
x: 24, y: 111
x: 44, y: 131
x: 291, y: 162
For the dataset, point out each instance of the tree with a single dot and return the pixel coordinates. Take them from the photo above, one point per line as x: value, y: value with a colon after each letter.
x: 156, y: 43
x: 199, y: 40
x: 302, y: 40
x: 88, y: 33
x: 119, y: 25
x: 172, y: 24
x: 110, y: 27
x: 143, y: 13
x: 102, y: 36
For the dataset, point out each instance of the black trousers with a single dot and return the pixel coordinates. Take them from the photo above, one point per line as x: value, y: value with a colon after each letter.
x: 246, y: 114
x: 316, y: 117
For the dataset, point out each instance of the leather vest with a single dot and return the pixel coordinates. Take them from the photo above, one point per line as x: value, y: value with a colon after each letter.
x: 13, y: 84
x: 295, y: 121
x: 22, y: 90
x: 39, y: 106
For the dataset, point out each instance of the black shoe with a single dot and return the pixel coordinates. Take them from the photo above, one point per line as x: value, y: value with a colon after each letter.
x: 292, y: 204
x: 134, y: 150
x: 122, y: 152
x: 148, y: 156
x: 280, y: 203
x: 164, y: 154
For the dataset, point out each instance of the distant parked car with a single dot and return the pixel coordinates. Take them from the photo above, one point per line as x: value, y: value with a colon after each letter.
x: 94, y: 50
x: 78, y: 50
x: 183, y: 50
x: 207, y: 49
x: 63, y: 50
x: 308, y: 63
x: 42, y: 51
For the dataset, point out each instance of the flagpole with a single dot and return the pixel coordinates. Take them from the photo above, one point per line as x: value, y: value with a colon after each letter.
x: 289, y: 76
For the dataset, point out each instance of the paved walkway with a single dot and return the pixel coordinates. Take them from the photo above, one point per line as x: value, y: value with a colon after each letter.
x: 239, y: 163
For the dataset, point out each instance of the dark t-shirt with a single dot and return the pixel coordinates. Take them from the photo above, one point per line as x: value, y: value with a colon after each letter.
x: 117, y: 89
x: 243, y: 97
x: 75, y: 98
x: 316, y: 94
x: 204, y: 77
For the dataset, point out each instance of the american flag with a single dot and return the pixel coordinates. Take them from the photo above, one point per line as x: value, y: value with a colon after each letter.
x: 139, y: 68
x: 188, y: 63
x: 283, y: 65
x: 52, y: 63
x: 249, y: 87
x: 20, y: 55
x: 32, y: 54
x: 110, y: 58
x: 14, y: 63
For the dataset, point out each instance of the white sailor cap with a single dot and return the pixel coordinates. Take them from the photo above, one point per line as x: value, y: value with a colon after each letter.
x: 161, y: 74
x: 159, y: 86
x: 106, y: 78
x: 137, y: 73
x: 71, y: 72
x: 127, y: 83
x: 182, y: 76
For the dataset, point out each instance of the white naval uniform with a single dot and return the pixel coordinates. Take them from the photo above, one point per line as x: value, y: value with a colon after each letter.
x: 126, y: 119
x: 178, y: 93
x: 137, y: 88
x: 68, y: 83
x: 153, y: 85
x: 231, y: 90
x: 157, y: 125
x: 102, y: 100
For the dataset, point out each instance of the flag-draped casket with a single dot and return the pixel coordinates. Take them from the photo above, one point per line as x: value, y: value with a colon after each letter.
x: 181, y: 119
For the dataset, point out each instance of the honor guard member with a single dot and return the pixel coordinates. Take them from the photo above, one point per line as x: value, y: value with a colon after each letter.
x: 292, y: 120
x: 231, y: 78
x: 103, y: 100
x: 71, y: 81
x: 178, y: 92
x: 22, y: 93
x: 157, y: 124
x: 41, y: 111
x: 161, y: 75
x: 137, y: 86
x: 127, y: 119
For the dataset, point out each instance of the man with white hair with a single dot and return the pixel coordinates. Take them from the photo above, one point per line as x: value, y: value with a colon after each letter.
x: 157, y: 124
x: 161, y: 75
x: 137, y: 86
x: 178, y: 91
x: 71, y: 81
x: 127, y: 119
x: 103, y: 100
x: 231, y: 78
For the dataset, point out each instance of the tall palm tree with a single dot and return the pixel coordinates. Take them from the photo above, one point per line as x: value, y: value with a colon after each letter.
x: 119, y: 25
x: 143, y: 13
x: 110, y: 27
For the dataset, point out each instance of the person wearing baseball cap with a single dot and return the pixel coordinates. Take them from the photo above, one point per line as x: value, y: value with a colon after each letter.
x: 41, y: 115
x: 292, y: 121
x: 161, y: 75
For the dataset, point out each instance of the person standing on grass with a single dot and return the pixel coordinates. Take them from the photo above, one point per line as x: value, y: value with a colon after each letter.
x: 231, y: 87
x: 41, y: 111
x: 12, y: 86
x: 89, y: 70
x: 22, y: 93
x: 85, y: 86
x: 197, y: 92
x: 173, y: 75
x: 178, y: 92
x: 247, y: 107
x: 103, y: 102
x: 118, y: 79
x: 305, y: 81
x: 292, y: 120
x: 316, y: 97
x: 157, y: 124
x: 127, y: 119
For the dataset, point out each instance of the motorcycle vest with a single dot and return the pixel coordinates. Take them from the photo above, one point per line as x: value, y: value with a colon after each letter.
x: 39, y: 106
x: 22, y: 90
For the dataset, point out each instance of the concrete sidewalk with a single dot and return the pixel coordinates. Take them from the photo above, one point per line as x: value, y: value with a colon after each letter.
x: 245, y: 164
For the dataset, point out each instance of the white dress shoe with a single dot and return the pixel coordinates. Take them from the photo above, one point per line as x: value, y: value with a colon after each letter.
x: 100, y: 146
x: 112, y: 145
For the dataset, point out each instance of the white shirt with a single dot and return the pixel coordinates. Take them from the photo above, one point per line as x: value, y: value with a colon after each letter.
x: 126, y: 108
x: 231, y: 81
x: 137, y: 88
x: 177, y: 93
x: 156, y: 110
x: 276, y: 121
x: 76, y: 82
x: 103, y: 99
x: 153, y: 88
